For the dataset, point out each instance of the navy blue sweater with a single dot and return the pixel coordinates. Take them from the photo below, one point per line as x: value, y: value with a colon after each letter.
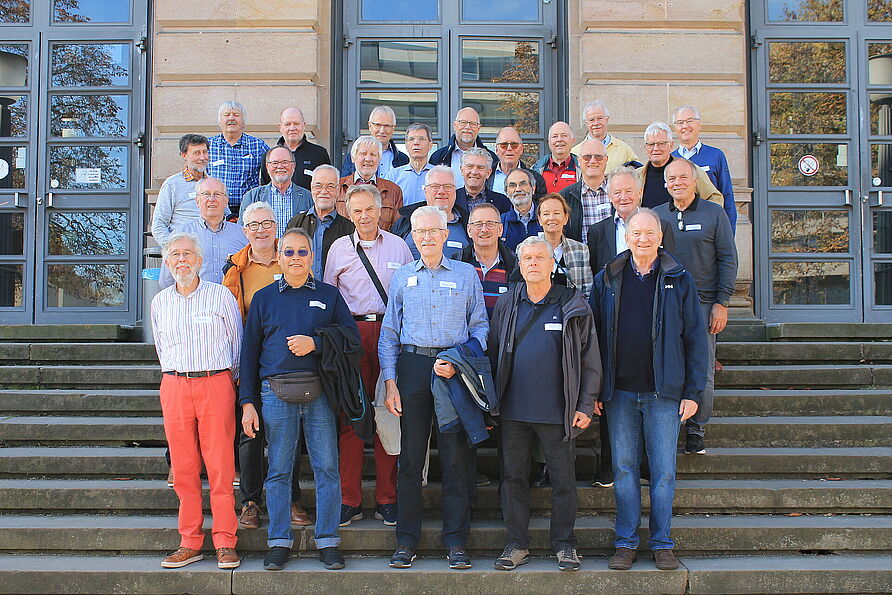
x: 275, y: 315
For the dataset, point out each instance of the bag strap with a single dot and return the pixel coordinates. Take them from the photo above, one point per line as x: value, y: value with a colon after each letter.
x: 519, y: 336
x: 370, y: 270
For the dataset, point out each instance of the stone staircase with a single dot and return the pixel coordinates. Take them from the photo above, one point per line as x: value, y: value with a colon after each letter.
x: 794, y: 496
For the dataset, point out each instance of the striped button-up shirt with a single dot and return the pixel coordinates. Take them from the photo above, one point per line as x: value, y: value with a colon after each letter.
x: 198, y: 332
x: 238, y: 165
x: 439, y: 307
x: 595, y: 205
x: 282, y: 204
x: 216, y: 246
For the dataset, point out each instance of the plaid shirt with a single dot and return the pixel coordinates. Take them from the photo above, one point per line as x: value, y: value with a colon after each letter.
x: 595, y: 206
x: 576, y: 265
x: 237, y: 165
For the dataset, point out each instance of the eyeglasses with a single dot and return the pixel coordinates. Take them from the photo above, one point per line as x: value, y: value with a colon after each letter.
x: 329, y: 187
x: 521, y: 184
x: 255, y: 225
x: 384, y: 126
x: 506, y: 145
x: 660, y: 143
x: 466, y: 123
x: 438, y: 187
x: 598, y: 158
x: 681, y: 123
x: 428, y: 232
x: 595, y: 119
x: 212, y: 194
x: 484, y: 224
x: 178, y: 254
x: 290, y: 252
x: 281, y: 163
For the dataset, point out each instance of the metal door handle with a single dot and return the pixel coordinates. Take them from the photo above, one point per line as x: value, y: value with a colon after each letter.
x: 39, y: 200
x: 16, y: 202
x: 848, y: 197
x: 49, y: 200
x: 879, y: 198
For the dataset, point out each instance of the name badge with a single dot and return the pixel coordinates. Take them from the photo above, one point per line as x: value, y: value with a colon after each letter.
x: 248, y: 156
x: 554, y: 326
x: 448, y: 284
x: 568, y: 175
x: 317, y: 304
x: 503, y: 290
x: 704, y: 167
x: 193, y: 194
x: 393, y: 265
x: 308, y: 172
x: 277, y: 276
x: 218, y: 162
x: 454, y: 244
x: 201, y: 319
x: 412, y: 281
x: 693, y: 227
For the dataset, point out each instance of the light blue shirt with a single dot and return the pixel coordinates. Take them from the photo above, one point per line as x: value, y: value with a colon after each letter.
x: 440, y: 307
x: 621, y: 245
x: 498, y: 180
x: 455, y: 243
x: 323, y: 224
x: 216, y: 247
x: 386, y: 162
x: 456, y: 167
x: 688, y: 153
x: 607, y: 140
x: 411, y: 182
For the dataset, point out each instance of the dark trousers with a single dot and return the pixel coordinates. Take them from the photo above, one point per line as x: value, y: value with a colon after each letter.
x: 414, y: 382
x: 252, y: 467
x: 514, y: 452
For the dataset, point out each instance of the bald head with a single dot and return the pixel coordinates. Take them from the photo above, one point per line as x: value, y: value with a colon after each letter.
x: 466, y: 127
x: 509, y: 148
x: 560, y: 141
x: 292, y: 126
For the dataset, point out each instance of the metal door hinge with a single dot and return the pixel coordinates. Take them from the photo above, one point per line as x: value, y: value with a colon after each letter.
x: 553, y: 42
x: 143, y: 44
x: 347, y: 42
x: 754, y: 42
x: 757, y: 139
x: 140, y: 141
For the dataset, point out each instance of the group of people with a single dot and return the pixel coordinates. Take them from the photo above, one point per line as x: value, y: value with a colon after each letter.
x: 457, y: 294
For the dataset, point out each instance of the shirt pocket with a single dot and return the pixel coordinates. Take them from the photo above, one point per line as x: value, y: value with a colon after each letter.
x: 453, y: 305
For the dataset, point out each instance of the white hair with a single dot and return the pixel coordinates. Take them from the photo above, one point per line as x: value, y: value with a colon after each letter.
x: 682, y: 108
x: 623, y: 170
x: 366, y: 140
x: 181, y: 235
x: 534, y: 241
x: 596, y: 104
x: 427, y: 211
x: 364, y: 188
x: 656, y: 128
x: 383, y: 109
x: 325, y: 167
x: 477, y: 152
x: 228, y: 106
x: 443, y: 169
x: 260, y: 205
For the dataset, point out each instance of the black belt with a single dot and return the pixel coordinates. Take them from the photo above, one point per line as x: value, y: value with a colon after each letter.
x: 426, y: 351
x: 368, y: 317
x: 202, y: 374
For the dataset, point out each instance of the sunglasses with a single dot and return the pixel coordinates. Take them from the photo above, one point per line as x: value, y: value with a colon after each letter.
x: 289, y: 252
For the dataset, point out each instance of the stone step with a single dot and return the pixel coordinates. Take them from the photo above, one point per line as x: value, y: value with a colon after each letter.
x: 719, y: 463
x: 786, y: 574
x: 831, y: 353
x: 820, y: 331
x: 692, y: 496
x: 80, y: 377
x: 804, y: 376
x: 723, y: 431
x: 814, y: 402
x: 112, y: 402
x: 67, y: 333
x: 78, y: 353
x: 692, y: 534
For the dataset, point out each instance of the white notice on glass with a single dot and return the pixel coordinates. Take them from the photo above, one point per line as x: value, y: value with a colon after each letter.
x: 88, y: 175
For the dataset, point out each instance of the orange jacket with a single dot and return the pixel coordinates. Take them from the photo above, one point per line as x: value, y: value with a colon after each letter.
x: 232, y: 276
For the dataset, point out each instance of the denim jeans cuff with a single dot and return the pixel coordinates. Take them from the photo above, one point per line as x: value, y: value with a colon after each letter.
x: 629, y: 543
x: 280, y: 543
x: 328, y: 542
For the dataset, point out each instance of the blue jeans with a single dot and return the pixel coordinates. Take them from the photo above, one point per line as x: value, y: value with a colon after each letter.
x: 635, y: 419
x: 283, y: 424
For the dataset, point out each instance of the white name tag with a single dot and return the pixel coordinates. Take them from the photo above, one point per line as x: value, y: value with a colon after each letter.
x: 412, y: 281
x: 277, y: 276
x: 308, y: 172
x: 448, y: 284
x: 393, y: 265
x: 704, y: 167
x: 503, y: 290
x: 693, y: 227
x: 248, y: 156
x: 218, y: 162
x: 193, y: 194
x: 554, y: 326
x: 454, y: 244
x: 201, y: 319
x: 568, y: 175
x: 317, y: 304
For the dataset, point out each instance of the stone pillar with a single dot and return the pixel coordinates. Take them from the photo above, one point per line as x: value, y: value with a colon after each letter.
x: 643, y: 58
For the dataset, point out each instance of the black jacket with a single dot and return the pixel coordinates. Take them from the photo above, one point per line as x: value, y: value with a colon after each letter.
x: 399, y: 158
x: 403, y: 226
x: 341, y: 381
x: 541, y: 185
x: 496, y: 199
x: 601, y: 242
x: 443, y: 155
x: 573, y: 195
x: 307, y: 221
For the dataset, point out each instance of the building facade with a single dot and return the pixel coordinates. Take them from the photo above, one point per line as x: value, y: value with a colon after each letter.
x: 94, y: 95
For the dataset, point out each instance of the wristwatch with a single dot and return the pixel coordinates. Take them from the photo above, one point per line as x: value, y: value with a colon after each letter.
x: 724, y: 303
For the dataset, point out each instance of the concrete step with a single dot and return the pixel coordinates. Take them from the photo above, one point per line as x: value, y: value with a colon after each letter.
x: 112, y: 402
x: 819, y: 331
x: 692, y: 534
x: 723, y: 431
x: 804, y: 376
x: 80, y: 377
x: 719, y: 463
x: 67, y: 333
x: 78, y: 353
x: 814, y: 402
x: 720, y: 496
x: 786, y: 353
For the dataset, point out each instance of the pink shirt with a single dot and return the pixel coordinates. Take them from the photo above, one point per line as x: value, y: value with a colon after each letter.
x: 344, y: 270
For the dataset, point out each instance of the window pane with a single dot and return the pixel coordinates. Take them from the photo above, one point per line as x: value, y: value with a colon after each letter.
x: 13, y: 163
x: 13, y: 65
x: 794, y: 62
x: 509, y: 108
x: 808, y: 113
x: 400, y: 10
x: 91, y: 11
x: 879, y: 69
x: 88, y: 167
x: 14, y: 116
x: 500, y: 61
x: 90, y: 65
x: 12, y: 240
x: 882, y: 232
x: 397, y: 62
x: 881, y: 113
x: 809, y: 231
x: 87, y: 234
x: 881, y: 164
x: 15, y: 11
x: 833, y: 165
x: 500, y: 10
x: 882, y: 283
x: 85, y: 285
x: 810, y: 283
x: 409, y: 107
x: 11, y: 285
x: 89, y: 115
x: 805, y: 11
x: 879, y: 11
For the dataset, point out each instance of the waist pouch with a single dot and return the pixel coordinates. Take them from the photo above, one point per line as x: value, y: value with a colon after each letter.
x: 296, y: 387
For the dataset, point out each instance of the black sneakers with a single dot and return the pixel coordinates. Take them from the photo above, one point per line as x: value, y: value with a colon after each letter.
x: 402, y: 557
x: 694, y: 445
x: 331, y: 558
x: 276, y: 558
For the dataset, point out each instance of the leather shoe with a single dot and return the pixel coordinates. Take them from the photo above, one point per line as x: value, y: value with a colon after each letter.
x: 170, y: 478
x: 665, y: 559
x: 227, y: 558
x: 622, y: 559
x: 250, y: 517
x: 299, y: 516
x: 181, y: 557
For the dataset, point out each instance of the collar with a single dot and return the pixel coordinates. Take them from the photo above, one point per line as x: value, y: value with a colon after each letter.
x: 201, y: 285
x: 357, y: 179
x: 260, y: 262
x: 691, y: 207
x: 329, y: 217
x: 602, y: 187
x: 607, y: 140
x: 237, y: 143
x: 378, y: 237
x: 445, y: 263
x: 617, y: 219
x: 563, y: 164
x: 310, y: 283
x: 552, y: 297
x: 281, y: 143
x: 692, y: 151
x: 190, y: 176
x: 288, y: 191
x: 205, y: 224
x: 531, y: 213
x: 653, y: 267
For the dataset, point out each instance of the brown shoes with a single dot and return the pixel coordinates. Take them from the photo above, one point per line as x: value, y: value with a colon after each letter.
x: 299, y: 516
x: 623, y: 559
x: 181, y: 557
x: 250, y: 517
x: 170, y: 478
x: 227, y: 558
x: 665, y: 559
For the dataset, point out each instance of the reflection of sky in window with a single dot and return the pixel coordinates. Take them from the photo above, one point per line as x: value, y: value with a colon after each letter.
x: 777, y: 10
x: 500, y: 10
x: 400, y: 10
x: 93, y: 11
